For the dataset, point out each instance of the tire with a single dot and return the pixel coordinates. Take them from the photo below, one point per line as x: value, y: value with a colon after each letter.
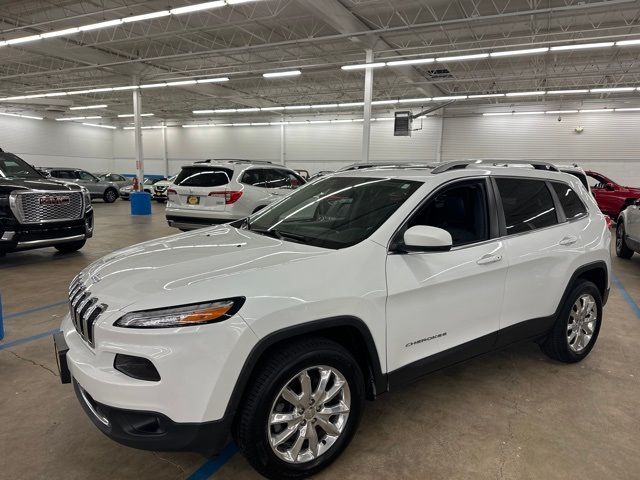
x: 110, y: 195
x: 284, y: 368
x: 70, y: 247
x: 558, y: 344
x: 160, y: 200
x: 622, y: 250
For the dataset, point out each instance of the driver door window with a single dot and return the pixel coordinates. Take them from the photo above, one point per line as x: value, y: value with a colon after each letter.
x: 85, y: 176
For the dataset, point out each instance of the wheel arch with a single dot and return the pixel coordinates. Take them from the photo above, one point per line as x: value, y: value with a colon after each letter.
x: 350, y: 332
x: 596, y: 272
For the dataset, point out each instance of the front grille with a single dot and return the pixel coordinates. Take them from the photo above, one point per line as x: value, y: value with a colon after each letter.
x: 44, y: 207
x: 84, y: 309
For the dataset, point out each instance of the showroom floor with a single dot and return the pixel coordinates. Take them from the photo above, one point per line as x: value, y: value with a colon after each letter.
x: 514, y: 414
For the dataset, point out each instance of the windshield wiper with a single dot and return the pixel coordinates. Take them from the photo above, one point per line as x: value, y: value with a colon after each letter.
x: 274, y: 233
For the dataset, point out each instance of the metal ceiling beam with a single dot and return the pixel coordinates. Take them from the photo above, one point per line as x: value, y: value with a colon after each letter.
x: 342, y: 20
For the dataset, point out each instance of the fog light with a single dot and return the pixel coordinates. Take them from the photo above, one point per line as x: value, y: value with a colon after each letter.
x: 136, y: 367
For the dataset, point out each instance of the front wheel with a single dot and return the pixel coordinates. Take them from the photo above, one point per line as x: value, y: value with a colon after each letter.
x: 577, y: 326
x: 70, y: 247
x: 110, y: 195
x: 301, y: 410
x: 622, y: 250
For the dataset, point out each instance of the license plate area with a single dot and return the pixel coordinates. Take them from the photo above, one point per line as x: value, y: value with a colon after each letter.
x: 193, y: 200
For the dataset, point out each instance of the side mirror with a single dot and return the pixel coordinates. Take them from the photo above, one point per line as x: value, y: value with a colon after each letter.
x: 609, y: 186
x: 636, y: 202
x: 422, y: 238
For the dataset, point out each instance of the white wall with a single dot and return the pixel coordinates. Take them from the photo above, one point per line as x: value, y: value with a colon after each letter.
x: 609, y: 143
x: 50, y: 143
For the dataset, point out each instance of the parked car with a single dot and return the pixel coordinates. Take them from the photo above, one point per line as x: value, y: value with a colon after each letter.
x: 104, y: 189
x: 628, y: 231
x: 321, y: 173
x: 577, y: 172
x: 612, y: 198
x: 222, y: 191
x: 147, y: 186
x: 38, y: 212
x: 349, y: 287
x: 160, y: 189
x: 119, y: 180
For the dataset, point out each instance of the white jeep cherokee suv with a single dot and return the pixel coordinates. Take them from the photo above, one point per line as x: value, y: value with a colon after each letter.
x: 274, y: 329
x: 220, y: 191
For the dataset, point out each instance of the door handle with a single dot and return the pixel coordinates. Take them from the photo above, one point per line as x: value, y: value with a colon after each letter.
x: 488, y: 258
x: 570, y: 240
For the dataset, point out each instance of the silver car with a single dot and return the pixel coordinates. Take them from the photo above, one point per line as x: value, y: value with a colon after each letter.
x: 119, y: 180
x: 104, y: 189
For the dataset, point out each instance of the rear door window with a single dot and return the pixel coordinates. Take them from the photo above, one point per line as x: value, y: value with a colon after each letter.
x: 527, y: 204
x: 570, y: 201
x: 276, y: 178
x: 254, y: 177
x: 203, y: 177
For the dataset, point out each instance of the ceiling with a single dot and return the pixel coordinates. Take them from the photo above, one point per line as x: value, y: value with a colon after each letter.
x: 244, y: 41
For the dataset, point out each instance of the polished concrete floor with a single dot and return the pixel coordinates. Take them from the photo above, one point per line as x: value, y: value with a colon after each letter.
x: 510, y: 415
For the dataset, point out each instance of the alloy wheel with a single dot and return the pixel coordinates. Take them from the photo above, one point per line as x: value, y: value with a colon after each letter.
x: 309, y: 414
x: 582, y: 323
x: 619, y: 237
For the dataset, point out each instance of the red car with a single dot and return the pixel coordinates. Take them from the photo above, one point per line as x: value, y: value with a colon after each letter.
x: 611, y: 197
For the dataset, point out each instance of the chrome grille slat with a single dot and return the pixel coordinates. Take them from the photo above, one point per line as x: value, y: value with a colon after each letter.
x: 27, y: 206
x: 84, y: 310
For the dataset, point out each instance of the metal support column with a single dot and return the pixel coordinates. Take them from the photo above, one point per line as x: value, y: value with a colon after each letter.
x: 283, y: 156
x: 137, y: 122
x: 165, y: 158
x: 368, y: 94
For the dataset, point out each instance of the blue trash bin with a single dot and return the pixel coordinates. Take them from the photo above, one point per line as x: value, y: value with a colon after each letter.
x: 140, y: 203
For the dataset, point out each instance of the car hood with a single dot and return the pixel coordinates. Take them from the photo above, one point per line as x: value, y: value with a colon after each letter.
x: 8, y: 185
x: 188, y: 267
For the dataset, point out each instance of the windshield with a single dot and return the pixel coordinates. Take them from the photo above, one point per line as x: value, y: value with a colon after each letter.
x: 334, y: 212
x: 13, y: 166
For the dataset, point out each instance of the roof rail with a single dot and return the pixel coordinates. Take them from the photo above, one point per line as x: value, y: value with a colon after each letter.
x: 462, y: 164
x: 233, y: 160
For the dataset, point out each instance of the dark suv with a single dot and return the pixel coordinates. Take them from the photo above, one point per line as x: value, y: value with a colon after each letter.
x: 38, y: 212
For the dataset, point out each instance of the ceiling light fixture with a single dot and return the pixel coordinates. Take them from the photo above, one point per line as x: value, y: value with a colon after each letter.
x: 99, y: 126
x: 197, y: 7
x: 30, y: 117
x: 457, y: 58
x: 582, y: 46
x: 362, y: 66
x: 526, y: 51
x: 290, y: 73
x: 612, y: 89
x: 130, y: 115
x: 525, y: 94
x: 72, y: 119
x: 416, y: 61
x: 88, y: 107
x: 566, y: 92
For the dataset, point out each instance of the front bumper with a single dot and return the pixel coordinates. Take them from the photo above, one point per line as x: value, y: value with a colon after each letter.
x: 14, y: 237
x: 154, y: 431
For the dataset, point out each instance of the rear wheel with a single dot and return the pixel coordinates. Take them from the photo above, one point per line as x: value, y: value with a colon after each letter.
x: 70, y: 247
x: 110, y: 195
x: 577, y: 326
x: 302, y: 409
x: 622, y: 250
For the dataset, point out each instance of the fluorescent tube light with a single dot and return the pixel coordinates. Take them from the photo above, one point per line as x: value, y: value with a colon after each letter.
x: 130, y: 115
x: 624, y: 43
x: 30, y: 117
x: 385, y: 102
x: 88, y: 107
x: 290, y: 73
x: 197, y: 7
x: 271, y: 109
x: 363, y: 66
x: 526, y: 51
x: 213, y: 80
x: 297, y: 107
x: 153, y: 85
x: 630, y: 109
x: 30, y: 38
x: 181, y: 82
x: 146, y: 16
x: 554, y: 112
x: 128, y: 87
x: 486, y: 95
x: 525, y: 94
x: 96, y: 26
x: 567, y: 92
x: 582, y: 46
x: 225, y: 110
x: 54, y: 94
x: 325, y: 105
x: 450, y: 97
x: 456, y: 58
x: 99, y: 90
x: 601, y: 110
x: 247, y: 110
x: 72, y: 119
x: 238, y: 2
x: 528, y: 113
x: 612, y: 89
x: 415, y: 61
x: 202, y: 112
x: 350, y: 104
x: 60, y: 33
x: 496, y: 114
x: 415, y: 100
x: 99, y: 126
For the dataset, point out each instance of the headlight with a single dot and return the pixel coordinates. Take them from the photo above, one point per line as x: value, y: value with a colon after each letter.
x: 184, y: 316
x: 86, y: 197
